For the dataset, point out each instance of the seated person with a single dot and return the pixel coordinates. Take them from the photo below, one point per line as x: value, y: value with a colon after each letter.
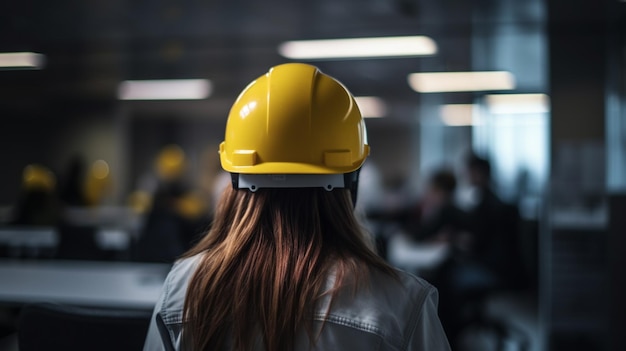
x: 439, y: 218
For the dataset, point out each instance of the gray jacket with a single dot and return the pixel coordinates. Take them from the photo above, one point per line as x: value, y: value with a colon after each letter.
x: 385, y: 315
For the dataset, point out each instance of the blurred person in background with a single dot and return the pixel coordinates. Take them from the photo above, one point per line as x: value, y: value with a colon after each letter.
x: 437, y: 217
x: 484, y: 256
x: 433, y: 217
x: 176, y: 215
x: 286, y: 265
x: 495, y: 225
x: 72, y: 190
x: 481, y: 255
x: 38, y: 203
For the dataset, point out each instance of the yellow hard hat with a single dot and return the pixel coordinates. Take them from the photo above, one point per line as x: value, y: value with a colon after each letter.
x: 294, y: 120
x: 170, y: 162
x: 190, y: 206
x: 38, y: 177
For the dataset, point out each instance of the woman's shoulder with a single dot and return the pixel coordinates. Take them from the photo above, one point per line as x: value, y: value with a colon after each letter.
x: 186, y: 265
x: 183, y: 269
x: 388, y: 305
x: 387, y: 294
x: 403, y: 286
x: 175, y: 286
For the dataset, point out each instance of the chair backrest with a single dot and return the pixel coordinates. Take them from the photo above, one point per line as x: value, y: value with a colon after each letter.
x: 48, y: 326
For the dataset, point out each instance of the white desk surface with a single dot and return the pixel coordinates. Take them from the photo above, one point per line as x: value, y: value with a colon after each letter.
x: 411, y: 256
x: 84, y: 283
x: 29, y: 236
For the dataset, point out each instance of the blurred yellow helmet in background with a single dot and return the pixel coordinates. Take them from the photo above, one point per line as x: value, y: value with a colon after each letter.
x: 170, y: 163
x: 294, y: 120
x: 191, y: 206
x: 38, y: 177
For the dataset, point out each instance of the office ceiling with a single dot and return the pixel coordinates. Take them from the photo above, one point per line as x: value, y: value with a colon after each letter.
x: 92, y: 45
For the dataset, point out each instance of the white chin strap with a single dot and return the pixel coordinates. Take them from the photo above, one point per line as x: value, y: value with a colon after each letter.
x: 253, y: 182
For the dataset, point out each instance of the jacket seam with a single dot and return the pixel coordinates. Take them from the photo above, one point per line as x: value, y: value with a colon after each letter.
x: 412, y: 324
x: 349, y: 323
x: 175, y: 318
x: 164, y: 312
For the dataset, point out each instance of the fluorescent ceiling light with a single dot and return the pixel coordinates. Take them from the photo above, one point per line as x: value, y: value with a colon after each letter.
x: 457, y: 114
x: 517, y: 103
x: 359, y: 48
x: 28, y: 60
x: 371, y: 106
x: 461, y: 81
x: 172, y: 89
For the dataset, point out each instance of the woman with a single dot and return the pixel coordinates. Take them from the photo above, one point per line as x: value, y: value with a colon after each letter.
x: 285, y: 265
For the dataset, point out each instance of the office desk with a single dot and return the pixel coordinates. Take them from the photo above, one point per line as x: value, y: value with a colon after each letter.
x: 33, y: 239
x: 93, y: 284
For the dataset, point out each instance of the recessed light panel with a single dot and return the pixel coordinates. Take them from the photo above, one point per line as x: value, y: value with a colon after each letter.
x: 174, y: 89
x: 358, y: 48
x: 438, y: 82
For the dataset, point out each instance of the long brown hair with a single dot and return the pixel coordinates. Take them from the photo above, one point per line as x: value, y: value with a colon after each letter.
x: 265, y: 264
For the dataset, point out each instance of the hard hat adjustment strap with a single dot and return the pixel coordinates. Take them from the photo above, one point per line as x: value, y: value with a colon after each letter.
x: 253, y: 182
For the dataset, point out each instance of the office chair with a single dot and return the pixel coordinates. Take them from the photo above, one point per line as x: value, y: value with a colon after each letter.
x: 512, y: 278
x: 47, y: 326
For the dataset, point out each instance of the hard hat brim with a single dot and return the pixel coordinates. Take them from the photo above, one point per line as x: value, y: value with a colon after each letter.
x: 287, y: 168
